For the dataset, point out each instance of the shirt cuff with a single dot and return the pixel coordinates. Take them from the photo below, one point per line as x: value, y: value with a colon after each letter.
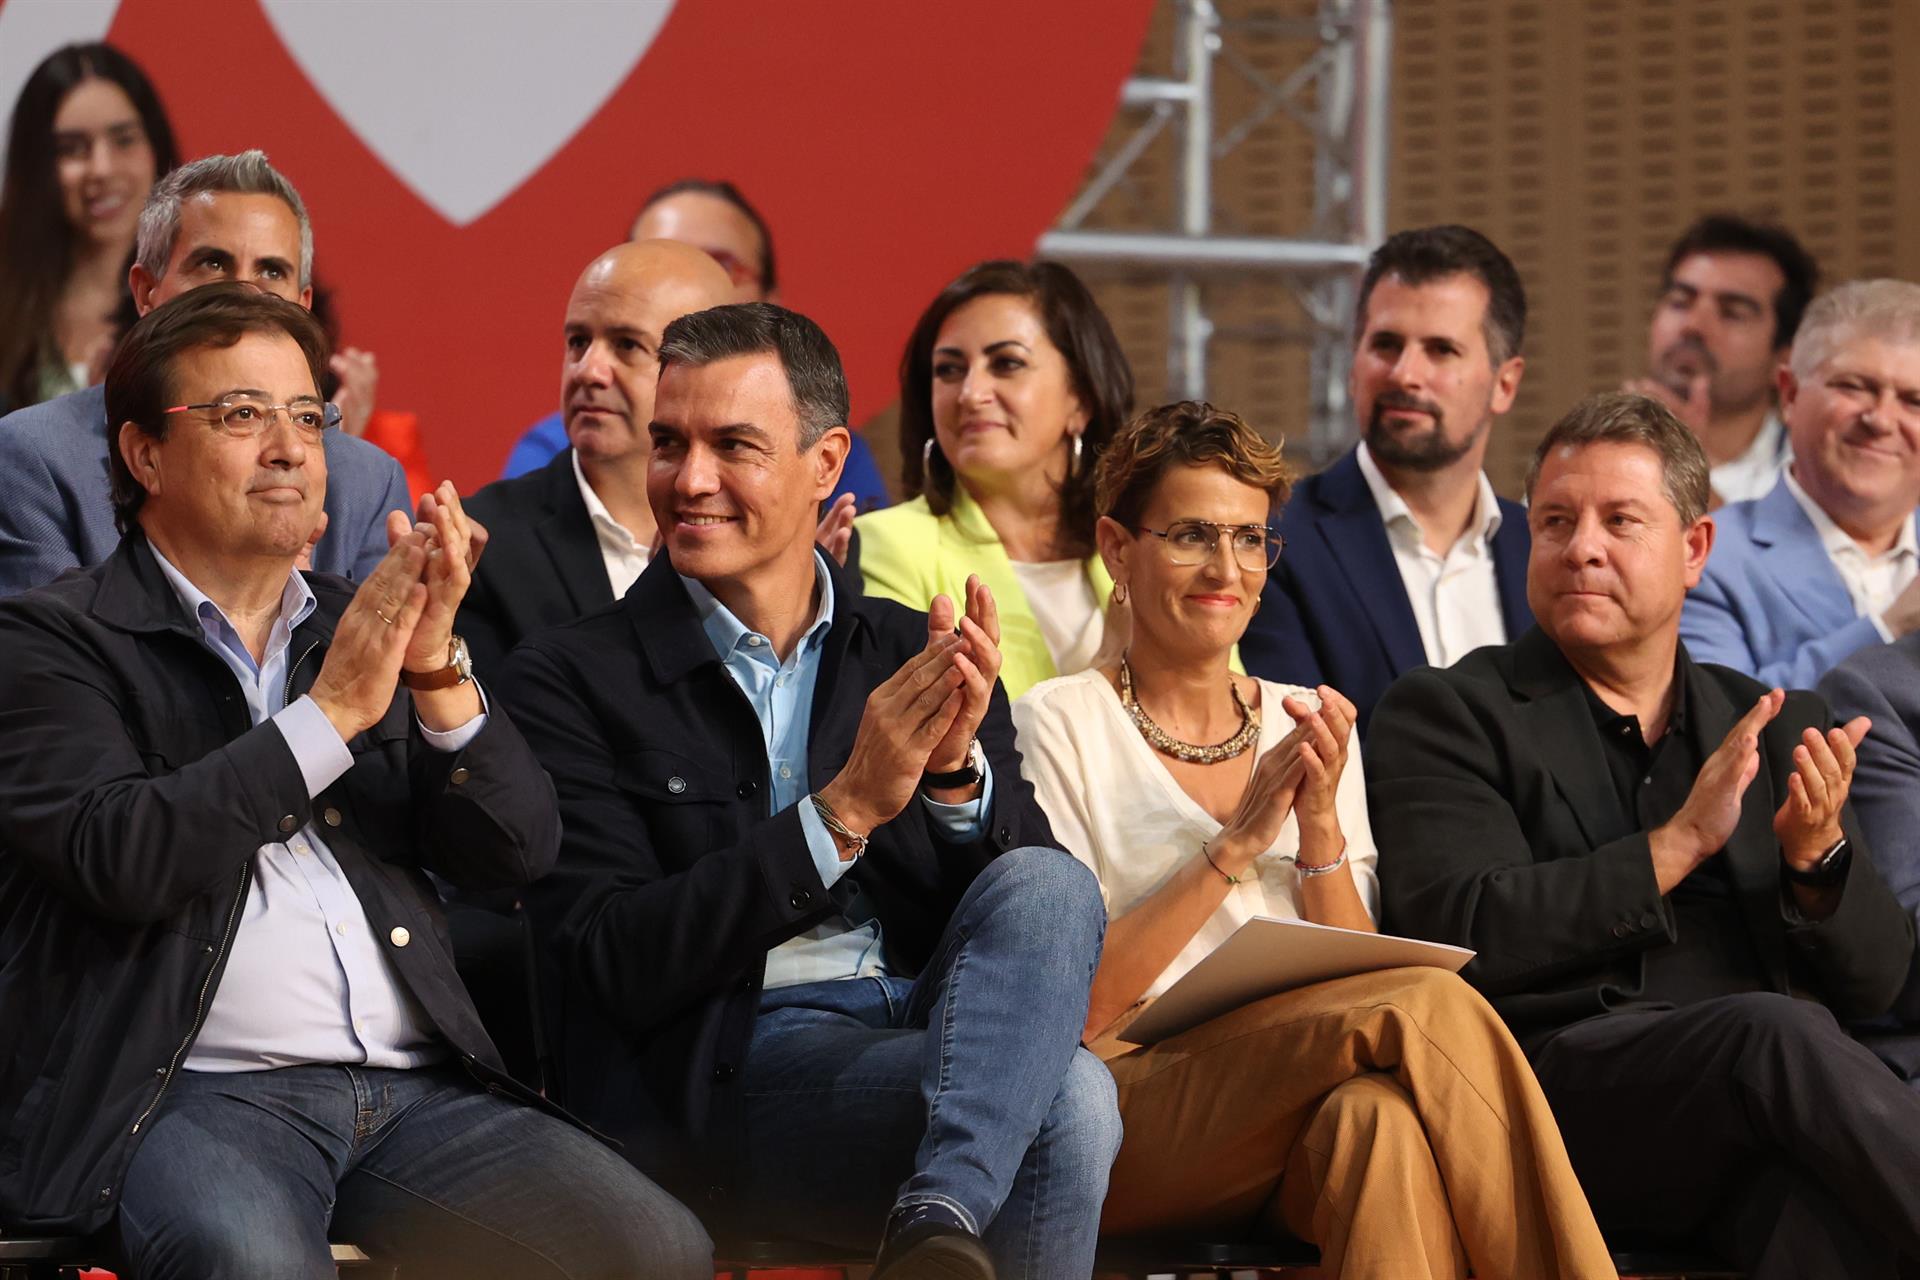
x: 1886, y: 632
x: 315, y: 743
x: 826, y: 854
x: 964, y: 823
x: 456, y: 738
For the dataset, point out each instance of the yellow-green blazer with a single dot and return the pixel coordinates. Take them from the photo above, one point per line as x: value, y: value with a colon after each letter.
x: 911, y: 555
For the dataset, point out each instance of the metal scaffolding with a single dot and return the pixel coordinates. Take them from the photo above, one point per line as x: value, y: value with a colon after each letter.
x: 1343, y: 86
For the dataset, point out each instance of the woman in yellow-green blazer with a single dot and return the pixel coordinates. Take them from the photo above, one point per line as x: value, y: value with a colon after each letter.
x: 1010, y: 386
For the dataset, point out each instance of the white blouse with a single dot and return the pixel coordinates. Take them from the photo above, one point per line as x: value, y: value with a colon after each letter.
x: 1114, y: 806
x: 1064, y: 605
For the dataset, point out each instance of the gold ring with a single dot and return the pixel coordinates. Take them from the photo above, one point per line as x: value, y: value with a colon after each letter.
x: 383, y: 617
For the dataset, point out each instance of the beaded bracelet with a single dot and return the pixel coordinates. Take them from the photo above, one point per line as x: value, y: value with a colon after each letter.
x: 1321, y: 869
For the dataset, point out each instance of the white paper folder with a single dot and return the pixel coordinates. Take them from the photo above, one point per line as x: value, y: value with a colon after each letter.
x: 1266, y: 956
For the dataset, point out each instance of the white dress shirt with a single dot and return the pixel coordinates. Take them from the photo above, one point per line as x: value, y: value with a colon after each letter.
x: 307, y: 980
x: 1114, y: 806
x: 1872, y: 581
x: 1455, y: 597
x: 1754, y: 473
x: 623, y: 557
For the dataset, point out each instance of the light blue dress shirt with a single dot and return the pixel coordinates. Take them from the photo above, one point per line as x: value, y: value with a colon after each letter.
x: 781, y: 693
x: 307, y: 980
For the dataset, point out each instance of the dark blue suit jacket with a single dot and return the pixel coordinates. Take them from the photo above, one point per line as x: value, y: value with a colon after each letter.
x: 1335, y: 611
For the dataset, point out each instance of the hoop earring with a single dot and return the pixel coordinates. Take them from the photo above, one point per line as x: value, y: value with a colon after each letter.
x: 926, y: 467
x: 1073, y: 467
x: 1120, y: 593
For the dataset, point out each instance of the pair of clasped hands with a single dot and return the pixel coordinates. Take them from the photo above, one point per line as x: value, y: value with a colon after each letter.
x: 1807, y: 823
x: 401, y: 618
x: 924, y: 718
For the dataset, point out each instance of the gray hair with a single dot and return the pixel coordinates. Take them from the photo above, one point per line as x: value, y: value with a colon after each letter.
x: 1621, y: 417
x: 1888, y: 310
x: 246, y: 174
x: 807, y: 356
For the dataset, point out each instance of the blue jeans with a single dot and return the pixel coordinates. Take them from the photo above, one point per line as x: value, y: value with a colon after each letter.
x: 245, y: 1175
x: 967, y: 1086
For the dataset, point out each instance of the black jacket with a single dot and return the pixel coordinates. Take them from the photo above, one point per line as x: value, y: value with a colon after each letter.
x: 1499, y: 828
x: 673, y: 880
x: 543, y: 564
x: 134, y: 793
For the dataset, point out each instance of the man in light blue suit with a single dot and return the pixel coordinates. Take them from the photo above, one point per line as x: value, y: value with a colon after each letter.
x: 1825, y: 564
x: 219, y: 218
x: 1882, y: 682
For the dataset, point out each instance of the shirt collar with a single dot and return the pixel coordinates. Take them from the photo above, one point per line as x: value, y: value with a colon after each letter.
x: 729, y: 635
x: 1838, y: 541
x: 297, y: 603
x: 1393, y: 508
x: 604, y: 525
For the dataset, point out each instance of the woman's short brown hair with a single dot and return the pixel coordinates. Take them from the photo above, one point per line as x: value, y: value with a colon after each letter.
x: 1187, y: 433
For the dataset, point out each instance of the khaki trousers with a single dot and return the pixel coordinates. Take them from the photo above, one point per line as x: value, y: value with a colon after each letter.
x: 1388, y: 1118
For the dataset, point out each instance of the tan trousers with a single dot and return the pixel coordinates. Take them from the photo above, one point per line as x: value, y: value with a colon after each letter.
x: 1388, y: 1118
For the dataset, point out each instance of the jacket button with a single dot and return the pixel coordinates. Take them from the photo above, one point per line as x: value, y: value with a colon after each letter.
x: 289, y: 824
x: 1648, y: 920
x: 1006, y: 835
x: 459, y: 775
x: 747, y: 789
x: 399, y: 937
x: 676, y: 784
x: 723, y: 1073
x: 800, y: 900
x: 1619, y: 930
x: 331, y: 817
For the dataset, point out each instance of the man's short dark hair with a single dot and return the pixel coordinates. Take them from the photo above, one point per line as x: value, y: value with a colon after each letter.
x: 140, y: 385
x: 807, y: 356
x: 723, y: 190
x: 1731, y: 233
x: 1426, y: 254
x: 1622, y: 417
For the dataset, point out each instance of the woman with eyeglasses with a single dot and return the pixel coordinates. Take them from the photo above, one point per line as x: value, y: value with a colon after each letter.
x: 88, y: 140
x: 1011, y: 385
x: 1389, y: 1118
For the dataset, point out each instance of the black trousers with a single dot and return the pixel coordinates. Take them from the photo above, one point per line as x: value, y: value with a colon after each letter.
x: 1748, y: 1123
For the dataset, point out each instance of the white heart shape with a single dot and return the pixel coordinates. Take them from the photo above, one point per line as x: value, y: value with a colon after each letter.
x: 465, y: 99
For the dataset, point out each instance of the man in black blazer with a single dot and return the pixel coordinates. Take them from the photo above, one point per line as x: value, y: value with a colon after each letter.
x: 230, y: 1014
x: 816, y: 955
x: 573, y: 535
x: 1400, y: 555
x: 1668, y: 891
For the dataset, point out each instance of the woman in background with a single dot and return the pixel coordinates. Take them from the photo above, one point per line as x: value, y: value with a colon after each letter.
x: 1011, y: 385
x: 1389, y: 1117
x: 87, y: 141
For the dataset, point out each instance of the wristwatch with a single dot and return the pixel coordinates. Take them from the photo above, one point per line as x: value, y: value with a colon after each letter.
x: 1824, y: 874
x: 459, y: 670
x: 965, y: 776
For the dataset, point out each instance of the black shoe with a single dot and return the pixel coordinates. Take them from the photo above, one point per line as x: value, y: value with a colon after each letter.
x: 930, y: 1242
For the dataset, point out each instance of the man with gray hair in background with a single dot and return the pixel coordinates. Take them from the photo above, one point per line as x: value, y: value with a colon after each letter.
x: 1827, y: 563
x: 223, y: 217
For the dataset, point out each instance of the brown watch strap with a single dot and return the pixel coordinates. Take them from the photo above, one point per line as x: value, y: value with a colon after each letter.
x: 445, y: 678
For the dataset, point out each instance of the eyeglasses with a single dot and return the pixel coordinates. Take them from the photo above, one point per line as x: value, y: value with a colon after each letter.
x: 1256, y: 548
x: 247, y: 416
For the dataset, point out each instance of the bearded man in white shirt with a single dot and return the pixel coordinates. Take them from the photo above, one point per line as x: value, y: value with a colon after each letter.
x: 1400, y: 555
x: 1824, y: 565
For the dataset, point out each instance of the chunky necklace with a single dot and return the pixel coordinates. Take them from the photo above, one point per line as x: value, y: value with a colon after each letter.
x: 1166, y: 744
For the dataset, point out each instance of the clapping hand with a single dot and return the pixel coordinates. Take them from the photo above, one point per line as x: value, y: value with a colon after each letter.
x: 356, y: 681
x: 1808, y: 821
x: 977, y: 659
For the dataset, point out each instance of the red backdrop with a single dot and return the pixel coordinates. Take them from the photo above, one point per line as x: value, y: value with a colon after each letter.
x: 888, y: 145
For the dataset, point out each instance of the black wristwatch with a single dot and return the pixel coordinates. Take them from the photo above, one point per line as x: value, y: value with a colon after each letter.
x: 965, y: 776
x: 1824, y: 874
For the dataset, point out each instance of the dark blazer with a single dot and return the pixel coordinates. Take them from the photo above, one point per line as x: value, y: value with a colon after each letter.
x: 673, y: 880
x: 1499, y: 829
x: 134, y: 794
x: 542, y: 565
x: 1335, y: 610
